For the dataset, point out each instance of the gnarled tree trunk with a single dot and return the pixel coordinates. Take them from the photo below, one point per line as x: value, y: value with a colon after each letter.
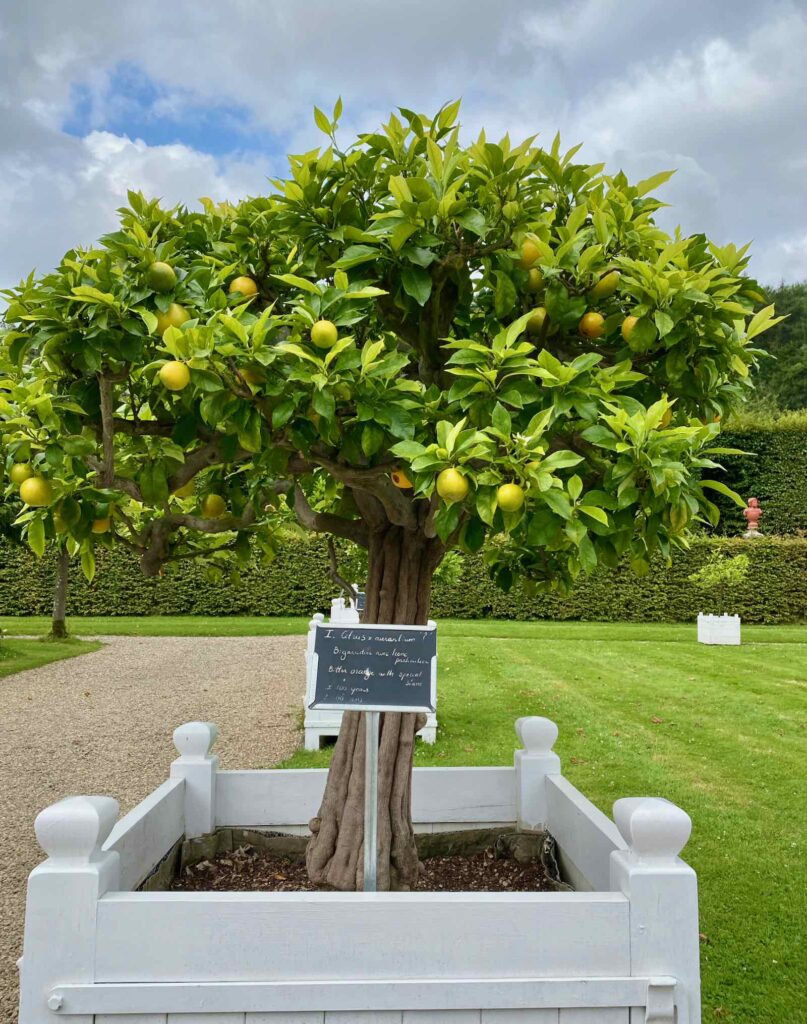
x: 58, y: 628
x: 400, y: 568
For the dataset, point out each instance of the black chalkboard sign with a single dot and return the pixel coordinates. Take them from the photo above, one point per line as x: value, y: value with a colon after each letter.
x: 373, y: 668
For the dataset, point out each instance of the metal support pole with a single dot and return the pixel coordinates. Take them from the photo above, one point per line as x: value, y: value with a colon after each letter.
x: 371, y: 720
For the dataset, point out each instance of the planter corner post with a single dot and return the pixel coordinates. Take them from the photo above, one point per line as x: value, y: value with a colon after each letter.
x: 533, y: 763
x: 198, y: 767
x: 61, y: 906
x: 663, y: 894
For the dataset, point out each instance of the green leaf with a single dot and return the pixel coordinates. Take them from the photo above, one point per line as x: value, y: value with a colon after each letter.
x: 501, y: 420
x: 282, y: 413
x: 587, y: 553
x: 36, y: 537
x: 721, y: 488
x: 354, y: 255
x: 653, y: 182
x: 322, y: 121
x: 505, y: 296
x: 664, y: 322
x: 561, y: 460
x: 323, y: 403
x: 300, y: 282
x: 575, y: 487
x: 473, y: 221
x: 417, y: 283
x: 88, y: 562
x: 558, y: 502
x: 595, y: 513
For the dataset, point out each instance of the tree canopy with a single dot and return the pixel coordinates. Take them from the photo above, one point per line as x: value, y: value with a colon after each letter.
x: 781, y: 381
x: 493, y: 309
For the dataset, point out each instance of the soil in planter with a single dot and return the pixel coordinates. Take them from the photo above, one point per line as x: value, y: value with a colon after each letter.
x: 249, y: 869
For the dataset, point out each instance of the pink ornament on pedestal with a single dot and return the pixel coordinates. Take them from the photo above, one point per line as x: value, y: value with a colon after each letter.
x: 752, y: 514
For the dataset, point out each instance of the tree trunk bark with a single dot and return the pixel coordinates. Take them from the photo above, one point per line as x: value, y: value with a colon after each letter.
x: 401, y: 564
x: 58, y: 628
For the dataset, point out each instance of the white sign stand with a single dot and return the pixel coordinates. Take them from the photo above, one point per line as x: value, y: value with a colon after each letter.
x: 371, y: 723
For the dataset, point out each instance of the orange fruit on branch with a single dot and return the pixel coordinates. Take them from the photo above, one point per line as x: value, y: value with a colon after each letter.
x: 452, y: 485
x: 175, y: 375
x: 592, y: 325
x: 36, y: 491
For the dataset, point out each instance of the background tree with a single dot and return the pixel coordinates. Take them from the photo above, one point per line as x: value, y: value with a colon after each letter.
x: 781, y: 382
x: 412, y: 343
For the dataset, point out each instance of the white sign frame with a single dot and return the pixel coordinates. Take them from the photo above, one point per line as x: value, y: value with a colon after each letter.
x: 369, y: 627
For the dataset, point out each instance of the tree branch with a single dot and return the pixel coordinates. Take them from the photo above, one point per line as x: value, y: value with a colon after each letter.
x: 324, y: 522
x: 117, y: 483
x: 107, y: 429
x: 348, y: 589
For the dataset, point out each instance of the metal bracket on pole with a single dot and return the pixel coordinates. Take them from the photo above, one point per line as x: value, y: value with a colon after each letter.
x: 371, y: 721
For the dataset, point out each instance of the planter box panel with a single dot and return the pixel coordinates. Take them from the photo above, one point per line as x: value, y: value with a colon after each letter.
x: 586, y: 837
x: 193, y: 937
x: 275, y: 798
x: 145, y: 835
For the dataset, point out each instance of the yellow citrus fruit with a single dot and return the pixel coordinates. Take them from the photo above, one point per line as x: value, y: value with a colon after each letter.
x: 452, y: 485
x: 175, y: 375
x: 679, y: 517
x: 530, y: 254
x: 59, y: 525
x: 509, y: 497
x: 400, y: 479
x: 186, y: 490
x: 666, y: 419
x: 175, y: 316
x: 627, y: 327
x: 535, y: 324
x: 244, y: 285
x: 534, y: 279
x: 592, y: 325
x: 20, y: 471
x: 214, y: 506
x: 606, y: 286
x: 324, y: 334
x: 101, y: 525
x: 36, y: 490
x: 161, y: 277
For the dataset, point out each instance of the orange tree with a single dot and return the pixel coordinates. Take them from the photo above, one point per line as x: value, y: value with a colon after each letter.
x: 412, y: 343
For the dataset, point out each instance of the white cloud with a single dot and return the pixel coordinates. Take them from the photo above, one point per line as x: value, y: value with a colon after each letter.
x: 718, y: 90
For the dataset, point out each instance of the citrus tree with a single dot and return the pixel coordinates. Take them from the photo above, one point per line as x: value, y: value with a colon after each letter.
x: 413, y: 343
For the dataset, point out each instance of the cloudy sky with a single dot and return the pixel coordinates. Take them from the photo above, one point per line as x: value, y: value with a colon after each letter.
x: 183, y: 99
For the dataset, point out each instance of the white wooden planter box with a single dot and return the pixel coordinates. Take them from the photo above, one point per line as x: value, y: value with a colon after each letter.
x: 318, y: 725
x: 623, y: 949
x: 719, y: 629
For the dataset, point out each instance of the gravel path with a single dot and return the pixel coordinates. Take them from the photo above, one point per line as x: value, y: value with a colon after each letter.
x: 102, y: 723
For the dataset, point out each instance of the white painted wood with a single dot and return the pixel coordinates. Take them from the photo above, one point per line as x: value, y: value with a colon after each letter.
x: 343, y: 613
x: 198, y: 767
x: 441, y: 1016
x: 719, y: 629
x: 292, y: 797
x: 532, y: 764
x: 143, y: 836
x: 319, y: 725
x: 306, y: 1017
x: 582, y: 1015
x: 363, y: 1017
x: 413, y: 994
x: 203, y: 1018
x: 246, y: 936
x: 586, y: 837
x: 519, y: 1017
x: 62, y: 902
x: 663, y: 895
x: 130, y: 1018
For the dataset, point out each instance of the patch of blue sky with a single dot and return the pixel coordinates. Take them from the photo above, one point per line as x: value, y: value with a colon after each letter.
x: 131, y: 103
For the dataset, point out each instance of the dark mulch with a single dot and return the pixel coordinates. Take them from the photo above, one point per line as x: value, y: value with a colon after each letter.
x: 249, y: 870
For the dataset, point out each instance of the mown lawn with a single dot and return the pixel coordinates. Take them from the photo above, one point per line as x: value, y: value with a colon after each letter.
x: 642, y: 710
x: 645, y: 710
x: 19, y: 655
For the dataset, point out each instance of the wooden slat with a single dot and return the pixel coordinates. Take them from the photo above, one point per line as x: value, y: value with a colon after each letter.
x: 581, y: 1015
x: 262, y: 799
x: 144, y: 835
x: 586, y: 837
x: 519, y: 1017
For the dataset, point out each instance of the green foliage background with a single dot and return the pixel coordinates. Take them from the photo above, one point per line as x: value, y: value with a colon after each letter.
x: 782, y: 382
x: 297, y: 583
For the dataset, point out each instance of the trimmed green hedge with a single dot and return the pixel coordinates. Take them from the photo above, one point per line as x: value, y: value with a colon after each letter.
x: 297, y: 583
x: 776, y: 474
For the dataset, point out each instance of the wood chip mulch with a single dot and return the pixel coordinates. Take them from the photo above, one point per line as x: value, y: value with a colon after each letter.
x: 250, y: 870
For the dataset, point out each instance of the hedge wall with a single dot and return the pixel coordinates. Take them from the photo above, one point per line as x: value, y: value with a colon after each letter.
x: 297, y: 584
x: 776, y: 474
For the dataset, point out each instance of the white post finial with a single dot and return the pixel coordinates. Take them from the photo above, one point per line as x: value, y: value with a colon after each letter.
x: 194, y: 740
x: 74, y: 829
x: 533, y: 764
x: 663, y: 894
x: 654, y: 829
x: 63, y: 894
x: 198, y: 767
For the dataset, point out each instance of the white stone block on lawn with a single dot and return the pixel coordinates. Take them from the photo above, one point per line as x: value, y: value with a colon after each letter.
x: 622, y: 948
x: 719, y: 629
